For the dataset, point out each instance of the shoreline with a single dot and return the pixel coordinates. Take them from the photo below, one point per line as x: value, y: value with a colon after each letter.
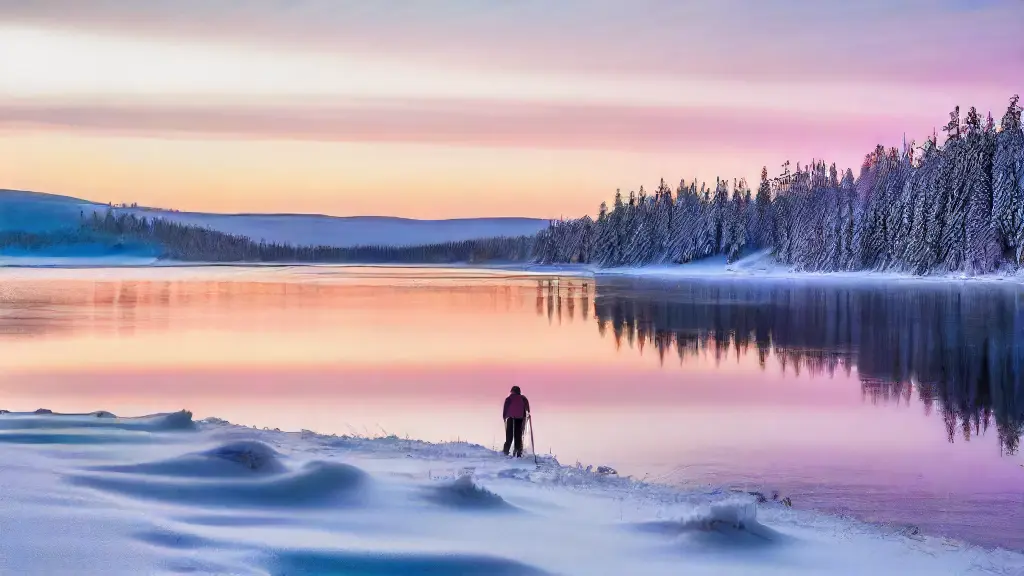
x: 702, y: 270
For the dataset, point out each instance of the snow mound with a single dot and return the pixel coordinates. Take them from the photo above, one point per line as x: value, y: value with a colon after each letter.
x: 314, y: 484
x: 760, y: 263
x: 44, y: 419
x: 232, y: 460
x: 465, y: 494
x: 731, y: 522
x: 395, y: 564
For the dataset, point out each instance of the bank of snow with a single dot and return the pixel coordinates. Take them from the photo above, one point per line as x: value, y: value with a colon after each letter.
x: 98, y: 494
x: 762, y: 265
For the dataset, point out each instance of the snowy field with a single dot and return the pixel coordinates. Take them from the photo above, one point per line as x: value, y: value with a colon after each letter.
x: 161, y: 494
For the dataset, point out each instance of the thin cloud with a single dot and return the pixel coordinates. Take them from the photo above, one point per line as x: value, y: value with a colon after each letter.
x: 465, y: 123
x: 933, y: 42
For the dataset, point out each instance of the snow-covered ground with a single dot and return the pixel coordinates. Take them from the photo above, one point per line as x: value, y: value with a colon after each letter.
x: 38, y: 212
x: 761, y: 265
x: 34, y: 212
x: 161, y: 494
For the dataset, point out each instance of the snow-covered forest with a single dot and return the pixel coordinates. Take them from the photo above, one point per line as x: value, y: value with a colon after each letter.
x: 192, y: 243
x: 957, y: 207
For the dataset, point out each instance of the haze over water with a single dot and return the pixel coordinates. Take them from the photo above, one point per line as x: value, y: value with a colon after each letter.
x: 892, y: 403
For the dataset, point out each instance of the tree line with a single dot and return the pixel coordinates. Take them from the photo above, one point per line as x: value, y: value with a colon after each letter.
x: 191, y: 243
x: 951, y: 208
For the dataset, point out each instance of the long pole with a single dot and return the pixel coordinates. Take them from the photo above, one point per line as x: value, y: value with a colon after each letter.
x: 533, y: 447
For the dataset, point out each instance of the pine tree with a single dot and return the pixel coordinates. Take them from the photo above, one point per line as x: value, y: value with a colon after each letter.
x: 954, y: 197
x: 958, y: 207
x: 1008, y: 182
x: 662, y: 221
x: 762, y: 220
x: 736, y: 223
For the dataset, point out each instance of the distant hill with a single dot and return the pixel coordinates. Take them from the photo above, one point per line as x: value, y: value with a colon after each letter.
x: 35, y: 212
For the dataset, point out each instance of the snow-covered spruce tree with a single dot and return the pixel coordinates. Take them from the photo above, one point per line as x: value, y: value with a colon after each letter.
x: 729, y: 216
x: 801, y: 228
x: 783, y: 226
x: 982, y: 251
x: 822, y: 208
x: 897, y: 171
x: 676, y: 234
x: 1008, y: 183
x: 921, y: 253
x: 639, y: 242
x: 704, y: 229
x: 847, y: 222
x: 831, y: 257
x: 627, y: 228
x: 686, y: 225
x: 615, y: 224
x: 958, y: 207
x: 761, y: 221
x: 719, y: 213
x: 903, y: 223
x: 698, y: 231
x: 662, y: 221
x: 871, y: 189
x: 602, y: 238
x: 954, y: 195
x: 747, y: 213
x: 736, y: 222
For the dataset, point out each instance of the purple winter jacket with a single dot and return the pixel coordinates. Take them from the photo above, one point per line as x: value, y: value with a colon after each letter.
x: 516, y: 406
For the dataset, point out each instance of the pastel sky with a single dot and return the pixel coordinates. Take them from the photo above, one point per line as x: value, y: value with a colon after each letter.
x: 472, y: 107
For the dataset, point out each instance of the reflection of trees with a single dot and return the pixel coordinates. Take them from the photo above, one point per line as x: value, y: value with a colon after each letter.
x: 959, y: 348
x: 564, y: 298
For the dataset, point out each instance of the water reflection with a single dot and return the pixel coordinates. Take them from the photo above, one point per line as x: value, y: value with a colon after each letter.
x: 959, y: 348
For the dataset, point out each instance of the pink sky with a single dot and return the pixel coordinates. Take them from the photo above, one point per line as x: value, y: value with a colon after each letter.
x: 466, y: 108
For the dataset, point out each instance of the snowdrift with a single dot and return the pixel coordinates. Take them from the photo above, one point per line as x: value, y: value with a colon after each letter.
x: 762, y: 266
x: 165, y: 494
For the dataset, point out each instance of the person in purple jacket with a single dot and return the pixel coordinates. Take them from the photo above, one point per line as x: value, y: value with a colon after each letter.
x: 517, y: 408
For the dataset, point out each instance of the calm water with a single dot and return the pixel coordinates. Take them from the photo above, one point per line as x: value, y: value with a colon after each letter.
x: 894, y: 404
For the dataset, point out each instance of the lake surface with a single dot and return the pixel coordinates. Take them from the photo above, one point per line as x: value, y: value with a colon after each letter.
x: 901, y: 403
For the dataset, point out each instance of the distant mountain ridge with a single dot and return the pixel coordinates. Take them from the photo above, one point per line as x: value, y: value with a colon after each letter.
x: 37, y: 212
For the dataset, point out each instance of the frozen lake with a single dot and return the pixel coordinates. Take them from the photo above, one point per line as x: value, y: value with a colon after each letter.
x: 893, y: 404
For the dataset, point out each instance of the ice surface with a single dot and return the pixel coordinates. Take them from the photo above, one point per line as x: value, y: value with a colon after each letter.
x: 98, y: 494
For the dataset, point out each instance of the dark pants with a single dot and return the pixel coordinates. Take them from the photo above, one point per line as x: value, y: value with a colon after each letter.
x: 514, y: 431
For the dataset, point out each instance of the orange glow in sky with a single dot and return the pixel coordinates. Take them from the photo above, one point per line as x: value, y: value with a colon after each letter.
x: 523, y: 110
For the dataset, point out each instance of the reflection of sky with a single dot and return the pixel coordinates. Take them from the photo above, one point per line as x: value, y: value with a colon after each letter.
x: 428, y: 358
